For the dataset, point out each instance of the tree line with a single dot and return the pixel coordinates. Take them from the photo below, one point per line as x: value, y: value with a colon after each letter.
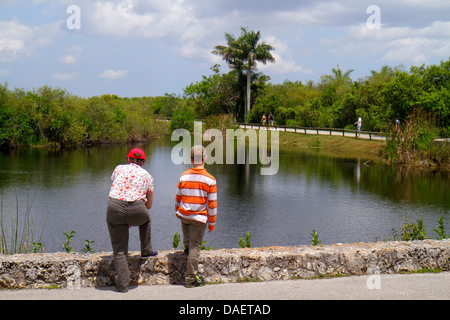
x: 334, y: 101
x: 54, y: 116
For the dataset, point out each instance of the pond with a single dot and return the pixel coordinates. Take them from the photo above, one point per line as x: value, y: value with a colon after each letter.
x: 343, y: 200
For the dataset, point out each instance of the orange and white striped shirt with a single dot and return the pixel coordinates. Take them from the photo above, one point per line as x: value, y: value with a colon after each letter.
x: 196, y: 197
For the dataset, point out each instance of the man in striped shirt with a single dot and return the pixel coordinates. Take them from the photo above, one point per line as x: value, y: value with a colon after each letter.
x: 196, y: 207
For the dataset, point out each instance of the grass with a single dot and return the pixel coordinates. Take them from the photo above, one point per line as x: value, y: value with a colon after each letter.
x: 323, y: 276
x: 414, y: 145
x: 247, y: 280
x: 335, y: 146
x: 427, y: 270
x: 15, y: 236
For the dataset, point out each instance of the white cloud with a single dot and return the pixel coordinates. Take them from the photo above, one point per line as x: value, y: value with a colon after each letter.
x: 69, y: 59
x: 327, y: 13
x: 14, y: 40
x: 284, y: 67
x: 399, y: 44
x: 192, y: 51
x: 193, y: 28
x: 283, y: 60
x: 309, y: 36
x: 437, y: 30
x: 47, y: 33
x: 113, y: 74
x: 18, y: 40
x: 151, y: 19
x: 118, y: 19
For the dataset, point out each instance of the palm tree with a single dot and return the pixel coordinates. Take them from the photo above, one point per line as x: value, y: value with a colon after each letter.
x: 342, y: 77
x: 243, y: 53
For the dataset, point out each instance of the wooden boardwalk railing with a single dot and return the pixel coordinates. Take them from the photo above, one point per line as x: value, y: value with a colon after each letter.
x: 318, y: 131
x: 369, y: 135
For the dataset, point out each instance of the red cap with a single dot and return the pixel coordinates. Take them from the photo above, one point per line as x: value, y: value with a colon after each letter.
x: 136, y: 153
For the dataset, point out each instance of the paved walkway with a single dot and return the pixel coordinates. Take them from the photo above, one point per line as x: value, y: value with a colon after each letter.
x: 427, y: 286
x: 377, y: 136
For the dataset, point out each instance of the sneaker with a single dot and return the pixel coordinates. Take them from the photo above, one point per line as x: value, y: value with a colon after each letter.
x: 154, y: 253
x: 198, y: 282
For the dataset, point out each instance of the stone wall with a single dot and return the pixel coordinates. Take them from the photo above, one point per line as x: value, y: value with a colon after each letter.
x: 226, y: 265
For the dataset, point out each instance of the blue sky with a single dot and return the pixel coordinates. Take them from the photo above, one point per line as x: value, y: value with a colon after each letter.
x: 135, y: 48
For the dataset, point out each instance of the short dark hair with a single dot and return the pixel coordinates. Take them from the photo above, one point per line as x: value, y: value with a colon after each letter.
x: 139, y: 162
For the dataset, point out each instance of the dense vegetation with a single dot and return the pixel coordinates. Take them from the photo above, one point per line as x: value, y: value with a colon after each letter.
x: 419, y: 98
x: 336, y: 100
x: 48, y: 116
x: 53, y: 115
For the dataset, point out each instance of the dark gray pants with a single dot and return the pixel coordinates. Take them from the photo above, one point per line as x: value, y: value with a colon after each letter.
x: 120, y: 215
x: 193, y: 232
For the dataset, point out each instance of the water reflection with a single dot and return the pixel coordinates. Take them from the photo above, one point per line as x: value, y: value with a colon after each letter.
x: 343, y: 200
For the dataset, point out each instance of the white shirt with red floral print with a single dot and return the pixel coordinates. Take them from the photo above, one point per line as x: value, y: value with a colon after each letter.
x: 130, y: 183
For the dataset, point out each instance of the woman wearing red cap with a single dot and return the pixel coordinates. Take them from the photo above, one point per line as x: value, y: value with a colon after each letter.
x: 130, y: 197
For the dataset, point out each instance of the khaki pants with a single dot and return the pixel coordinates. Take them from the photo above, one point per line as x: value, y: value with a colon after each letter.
x: 193, y: 232
x: 120, y: 215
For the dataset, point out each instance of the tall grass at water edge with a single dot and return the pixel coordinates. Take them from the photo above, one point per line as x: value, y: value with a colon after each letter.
x: 16, y: 228
x: 414, y: 145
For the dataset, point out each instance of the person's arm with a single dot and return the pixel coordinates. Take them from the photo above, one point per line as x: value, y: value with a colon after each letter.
x: 212, y: 207
x: 149, y: 201
x: 178, y: 198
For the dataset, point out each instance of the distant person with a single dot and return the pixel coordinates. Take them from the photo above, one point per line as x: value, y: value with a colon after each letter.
x: 397, y: 125
x: 271, y: 118
x: 130, y: 197
x: 358, y: 125
x: 196, y: 207
x: 264, y: 120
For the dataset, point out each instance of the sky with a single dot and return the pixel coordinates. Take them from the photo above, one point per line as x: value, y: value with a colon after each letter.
x: 136, y: 48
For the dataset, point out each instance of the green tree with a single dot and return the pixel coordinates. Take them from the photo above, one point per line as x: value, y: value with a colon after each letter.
x: 105, y: 119
x: 334, y: 89
x: 243, y: 53
x: 183, y: 117
x: 369, y: 101
x: 6, y: 117
x: 216, y: 94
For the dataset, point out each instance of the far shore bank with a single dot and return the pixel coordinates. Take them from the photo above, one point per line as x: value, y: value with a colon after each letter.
x: 369, y: 151
x: 335, y: 146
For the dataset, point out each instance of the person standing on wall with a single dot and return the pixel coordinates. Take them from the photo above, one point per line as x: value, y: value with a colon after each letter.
x: 130, y: 197
x: 196, y: 207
